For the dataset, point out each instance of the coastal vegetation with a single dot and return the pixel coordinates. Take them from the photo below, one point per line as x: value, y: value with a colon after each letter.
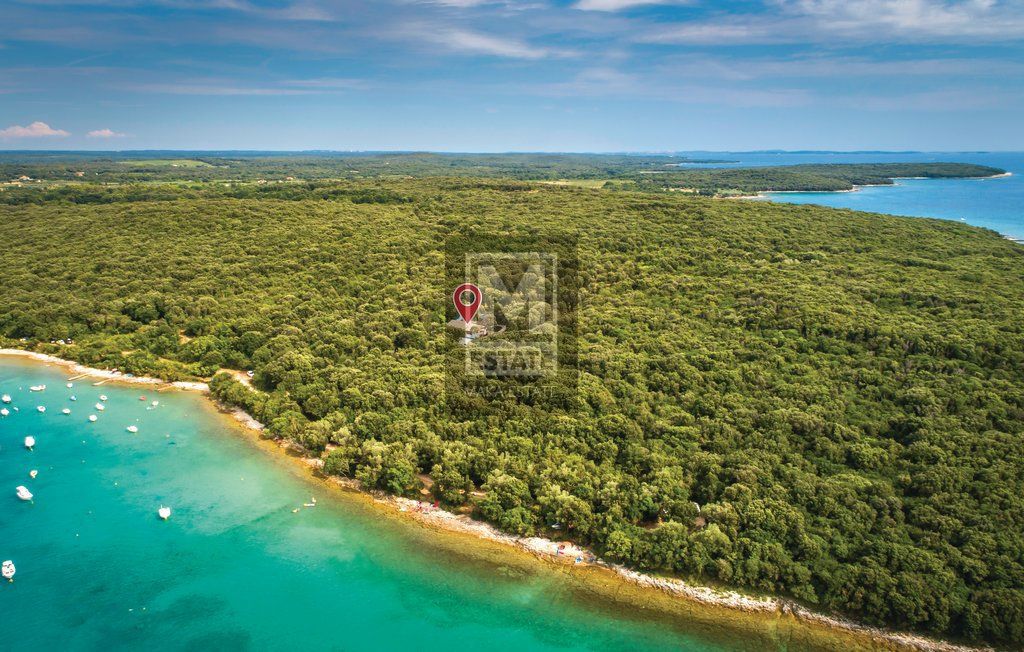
x: 125, y: 167
x: 810, y: 177
x: 816, y: 403
x: 650, y: 173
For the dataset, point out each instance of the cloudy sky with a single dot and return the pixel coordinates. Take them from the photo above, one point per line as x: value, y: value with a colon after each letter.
x: 482, y: 75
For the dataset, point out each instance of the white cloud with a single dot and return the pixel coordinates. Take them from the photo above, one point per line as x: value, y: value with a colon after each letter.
x: 608, y: 82
x: 477, y: 43
x: 104, y: 133
x: 298, y: 11
x: 794, y: 21
x: 913, y: 18
x: 715, y: 34
x: 328, y: 83
x: 462, y: 4
x: 621, y: 5
x: 514, y: 5
x: 35, y: 130
x: 466, y: 41
x: 227, y: 86
x: 753, y: 69
x: 204, y: 88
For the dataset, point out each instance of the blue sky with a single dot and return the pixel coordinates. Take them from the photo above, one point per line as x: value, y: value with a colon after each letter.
x: 535, y: 75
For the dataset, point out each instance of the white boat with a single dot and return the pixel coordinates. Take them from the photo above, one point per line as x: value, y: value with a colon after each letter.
x: 8, y: 570
x: 33, y: 473
x: 92, y: 417
x: 155, y: 403
x: 4, y: 412
x: 100, y: 407
x: 164, y: 512
x: 65, y: 411
x: 30, y: 441
x: 132, y: 429
x: 6, y: 398
x: 23, y: 492
x: 41, y: 408
x: 103, y: 397
x: 37, y: 388
x: 70, y: 385
x: 74, y: 398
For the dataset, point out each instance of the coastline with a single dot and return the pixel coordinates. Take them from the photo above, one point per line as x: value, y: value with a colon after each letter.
x: 106, y: 374
x: 764, y: 194
x: 607, y: 580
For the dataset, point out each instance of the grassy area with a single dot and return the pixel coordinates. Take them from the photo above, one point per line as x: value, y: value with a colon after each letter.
x: 581, y: 183
x: 166, y: 162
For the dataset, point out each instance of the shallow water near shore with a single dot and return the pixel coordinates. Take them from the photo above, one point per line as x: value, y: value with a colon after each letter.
x: 990, y: 203
x: 234, y: 567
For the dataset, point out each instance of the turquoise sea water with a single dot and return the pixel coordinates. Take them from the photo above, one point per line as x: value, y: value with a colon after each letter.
x: 996, y: 204
x: 234, y: 568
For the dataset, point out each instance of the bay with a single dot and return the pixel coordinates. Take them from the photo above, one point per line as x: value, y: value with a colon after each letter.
x: 996, y: 203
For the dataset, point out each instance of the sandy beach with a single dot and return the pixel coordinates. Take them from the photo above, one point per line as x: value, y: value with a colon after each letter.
x: 105, y: 374
x: 576, y: 558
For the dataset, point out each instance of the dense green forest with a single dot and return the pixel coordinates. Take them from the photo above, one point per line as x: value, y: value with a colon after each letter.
x: 614, y: 171
x: 820, y: 177
x: 251, y: 166
x: 809, y: 402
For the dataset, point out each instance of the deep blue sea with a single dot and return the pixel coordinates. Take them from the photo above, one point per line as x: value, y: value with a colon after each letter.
x: 996, y: 204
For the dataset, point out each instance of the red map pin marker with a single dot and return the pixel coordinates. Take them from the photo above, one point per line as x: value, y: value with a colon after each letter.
x: 467, y: 310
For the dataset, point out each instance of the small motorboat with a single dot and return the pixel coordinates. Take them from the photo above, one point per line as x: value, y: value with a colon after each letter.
x: 65, y: 411
x: 103, y: 397
x: 37, y: 388
x: 155, y: 403
x: 93, y: 417
x: 132, y: 429
x: 4, y: 412
x: 23, y: 492
x: 30, y: 442
x: 41, y: 408
x: 33, y: 473
x: 100, y: 407
x: 6, y: 398
x: 164, y: 512
x: 8, y: 570
x: 70, y: 385
x: 142, y: 398
x: 74, y: 398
